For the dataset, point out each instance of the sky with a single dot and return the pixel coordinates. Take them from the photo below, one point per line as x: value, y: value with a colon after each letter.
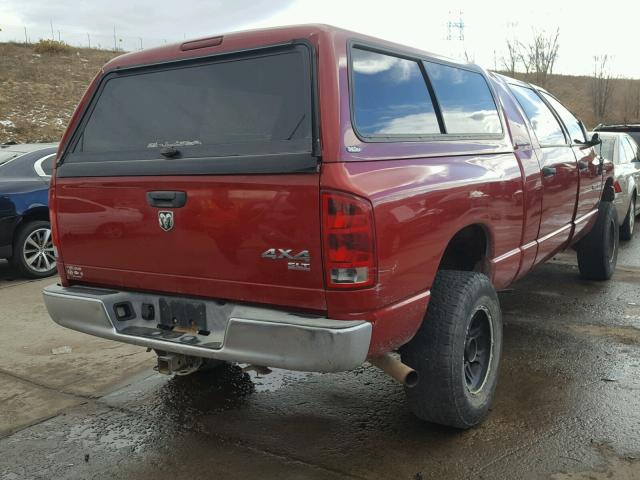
x: 585, y: 31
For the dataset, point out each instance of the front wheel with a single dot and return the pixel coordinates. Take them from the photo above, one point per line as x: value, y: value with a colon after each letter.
x: 33, y: 254
x: 456, y: 351
x: 598, y: 251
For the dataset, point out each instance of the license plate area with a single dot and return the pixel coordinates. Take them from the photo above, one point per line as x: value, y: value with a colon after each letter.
x: 183, y: 315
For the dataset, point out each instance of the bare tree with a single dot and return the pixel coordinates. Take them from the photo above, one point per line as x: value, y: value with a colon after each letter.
x: 631, y: 101
x: 469, y: 57
x: 539, y: 57
x: 601, y: 86
x: 513, y: 58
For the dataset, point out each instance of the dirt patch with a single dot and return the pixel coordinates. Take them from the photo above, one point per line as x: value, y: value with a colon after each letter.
x: 626, y: 335
x: 617, y: 467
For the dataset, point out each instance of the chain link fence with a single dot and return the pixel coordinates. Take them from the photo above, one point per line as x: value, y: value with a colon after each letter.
x: 114, y: 41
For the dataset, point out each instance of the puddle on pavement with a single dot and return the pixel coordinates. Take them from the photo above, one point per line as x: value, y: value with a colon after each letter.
x: 278, y: 379
x: 113, y: 431
x: 223, y: 388
x: 215, y: 390
x: 617, y: 467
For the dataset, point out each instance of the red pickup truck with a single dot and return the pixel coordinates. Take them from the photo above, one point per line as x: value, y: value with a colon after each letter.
x: 310, y: 198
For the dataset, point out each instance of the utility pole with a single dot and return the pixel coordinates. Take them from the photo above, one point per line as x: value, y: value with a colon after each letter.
x: 58, y: 35
x: 456, y: 25
x: 455, y: 35
x: 140, y: 42
x: 53, y: 37
x: 89, y: 39
x: 26, y: 38
x: 115, y: 43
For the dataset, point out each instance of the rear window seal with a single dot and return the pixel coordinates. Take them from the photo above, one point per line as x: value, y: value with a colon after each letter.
x: 281, y: 163
x: 310, y: 162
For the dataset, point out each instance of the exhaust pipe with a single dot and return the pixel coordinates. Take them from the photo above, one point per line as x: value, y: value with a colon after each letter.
x: 397, y: 370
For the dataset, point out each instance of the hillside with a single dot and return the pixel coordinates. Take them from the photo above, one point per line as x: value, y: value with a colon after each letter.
x: 38, y: 92
x: 575, y: 93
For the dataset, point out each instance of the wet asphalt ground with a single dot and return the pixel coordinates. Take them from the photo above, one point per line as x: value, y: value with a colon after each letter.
x: 567, y: 406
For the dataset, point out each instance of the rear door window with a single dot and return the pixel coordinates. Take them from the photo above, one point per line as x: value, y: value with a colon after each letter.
x: 606, y: 148
x: 633, y: 146
x: 569, y: 120
x: 544, y: 123
x: 629, y: 152
x: 390, y: 96
x: 227, y: 107
x: 465, y: 100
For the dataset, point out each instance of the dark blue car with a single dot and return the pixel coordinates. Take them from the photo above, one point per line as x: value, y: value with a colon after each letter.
x: 25, y: 233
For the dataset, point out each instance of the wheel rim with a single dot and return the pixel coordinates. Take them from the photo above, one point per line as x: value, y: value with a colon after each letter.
x: 478, y: 350
x: 612, y: 236
x: 37, y: 251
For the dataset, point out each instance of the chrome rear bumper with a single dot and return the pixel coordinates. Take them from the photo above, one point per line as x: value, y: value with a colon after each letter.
x: 237, y: 333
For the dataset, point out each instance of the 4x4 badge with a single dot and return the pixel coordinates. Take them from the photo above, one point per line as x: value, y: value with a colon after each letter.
x: 165, y: 219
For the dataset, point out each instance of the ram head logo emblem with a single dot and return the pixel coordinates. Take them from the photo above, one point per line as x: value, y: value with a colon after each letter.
x: 165, y: 219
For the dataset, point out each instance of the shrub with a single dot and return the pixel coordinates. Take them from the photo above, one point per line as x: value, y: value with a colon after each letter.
x: 52, y: 47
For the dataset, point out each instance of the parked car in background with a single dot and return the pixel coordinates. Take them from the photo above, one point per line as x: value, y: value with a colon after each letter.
x: 310, y: 198
x: 25, y: 234
x: 633, y: 129
x: 623, y: 151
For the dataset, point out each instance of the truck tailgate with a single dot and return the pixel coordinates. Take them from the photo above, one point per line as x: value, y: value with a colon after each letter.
x: 214, y: 247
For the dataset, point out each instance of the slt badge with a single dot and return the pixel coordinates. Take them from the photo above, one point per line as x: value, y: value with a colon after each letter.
x: 298, y: 261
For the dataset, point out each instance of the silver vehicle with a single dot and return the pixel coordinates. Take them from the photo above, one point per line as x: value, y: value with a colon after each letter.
x: 624, y: 152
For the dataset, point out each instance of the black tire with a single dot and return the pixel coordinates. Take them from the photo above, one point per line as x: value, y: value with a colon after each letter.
x: 598, y: 251
x: 439, y: 351
x: 626, y: 229
x: 19, y: 261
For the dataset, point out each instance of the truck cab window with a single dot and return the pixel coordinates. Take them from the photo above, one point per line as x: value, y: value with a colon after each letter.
x: 390, y: 96
x: 465, y: 100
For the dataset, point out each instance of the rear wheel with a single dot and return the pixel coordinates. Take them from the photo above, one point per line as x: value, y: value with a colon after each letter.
x: 626, y: 229
x: 598, y: 251
x: 33, y: 254
x: 456, y: 351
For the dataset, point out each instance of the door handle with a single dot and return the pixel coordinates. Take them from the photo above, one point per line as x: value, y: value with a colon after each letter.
x: 548, y: 171
x: 166, y: 199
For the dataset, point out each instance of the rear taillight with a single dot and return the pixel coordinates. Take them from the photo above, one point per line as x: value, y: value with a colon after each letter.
x: 617, y: 187
x: 349, y: 253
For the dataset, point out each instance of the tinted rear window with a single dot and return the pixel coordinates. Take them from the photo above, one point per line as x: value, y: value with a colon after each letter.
x: 465, y: 100
x: 235, y: 106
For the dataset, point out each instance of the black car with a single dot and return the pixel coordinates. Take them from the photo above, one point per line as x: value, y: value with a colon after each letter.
x: 25, y: 232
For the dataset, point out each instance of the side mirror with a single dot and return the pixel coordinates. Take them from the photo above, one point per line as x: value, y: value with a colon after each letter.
x: 595, y: 140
